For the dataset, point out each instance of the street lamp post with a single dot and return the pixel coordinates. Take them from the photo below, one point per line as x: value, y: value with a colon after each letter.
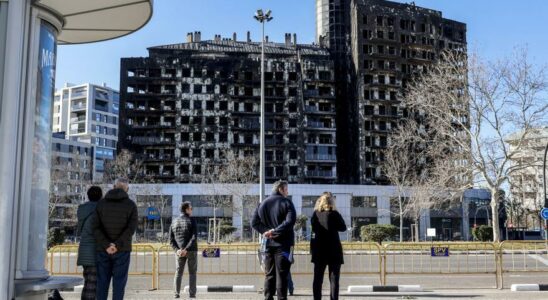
x: 262, y: 18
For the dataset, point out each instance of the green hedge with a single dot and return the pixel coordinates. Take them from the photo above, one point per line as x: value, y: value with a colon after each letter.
x: 378, y: 233
x: 483, y: 233
x: 56, y: 236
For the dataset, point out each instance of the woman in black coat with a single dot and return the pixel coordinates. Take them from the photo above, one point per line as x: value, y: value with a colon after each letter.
x: 325, y: 246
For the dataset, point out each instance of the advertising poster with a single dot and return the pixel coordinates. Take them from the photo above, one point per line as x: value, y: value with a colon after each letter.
x: 41, y: 156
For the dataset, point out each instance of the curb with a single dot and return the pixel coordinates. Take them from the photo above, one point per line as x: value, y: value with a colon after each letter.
x: 529, y: 287
x: 380, y: 288
x: 222, y: 289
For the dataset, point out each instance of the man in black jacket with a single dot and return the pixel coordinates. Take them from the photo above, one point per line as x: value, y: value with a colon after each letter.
x: 182, y: 237
x: 115, y: 224
x: 274, y: 219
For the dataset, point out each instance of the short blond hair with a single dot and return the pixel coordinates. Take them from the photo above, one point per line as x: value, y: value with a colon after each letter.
x: 325, y: 202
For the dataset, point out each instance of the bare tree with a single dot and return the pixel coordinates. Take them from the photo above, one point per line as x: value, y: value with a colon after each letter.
x: 124, y: 165
x: 238, y: 175
x: 400, y: 167
x: 68, y: 181
x: 224, y: 183
x: 516, y: 212
x: 424, y: 169
x: 489, y: 103
x: 216, y: 196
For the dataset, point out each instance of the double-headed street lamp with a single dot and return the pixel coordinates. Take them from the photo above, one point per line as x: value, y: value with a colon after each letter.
x: 262, y: 18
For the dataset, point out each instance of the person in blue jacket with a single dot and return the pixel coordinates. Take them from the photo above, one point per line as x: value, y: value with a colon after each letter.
x: 274, y: 219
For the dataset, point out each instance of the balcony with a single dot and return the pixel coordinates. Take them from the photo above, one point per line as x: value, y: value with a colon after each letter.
x: 156, y: 157
x: 249, y: 126
x: 78, y: 119
x: 78, y: 106
x: 315, y: 109
x: 79, y: 94
x: 151, y: 140
x: 77, y: 131
x: 102, y: 96
x: 318, y: 125
x: 322, y: 157
x: 311, y: 93
x: 320, y: 173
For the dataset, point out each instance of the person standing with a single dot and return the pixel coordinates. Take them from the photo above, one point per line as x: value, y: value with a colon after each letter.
x: 115, y: 224
x: 325, y: 246
x: 274, y: 219
x: 86, y: 248
x: 182, y: 237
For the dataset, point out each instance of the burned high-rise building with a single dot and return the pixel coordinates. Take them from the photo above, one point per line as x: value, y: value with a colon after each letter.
x: 185, y: 103
x: 377, y: 46
x: 330, y: 107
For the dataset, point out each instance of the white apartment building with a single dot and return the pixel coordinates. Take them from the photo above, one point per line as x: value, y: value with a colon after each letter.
x: 88, y: 113
x: 71, y: 171
x: 526, y: 185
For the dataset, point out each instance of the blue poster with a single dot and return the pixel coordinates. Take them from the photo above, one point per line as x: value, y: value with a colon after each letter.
x: 211, y: 252
x: 439, y: 251
x: 41, y: 143
x: 153, y: 213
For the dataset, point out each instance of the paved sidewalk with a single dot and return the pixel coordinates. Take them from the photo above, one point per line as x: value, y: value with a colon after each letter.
x: 307, y: 294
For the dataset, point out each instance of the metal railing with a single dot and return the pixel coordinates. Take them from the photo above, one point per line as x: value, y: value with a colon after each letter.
x: 460, y: 258
x: 62, y: 261
x: 522, y: 256
x: 463, y: 258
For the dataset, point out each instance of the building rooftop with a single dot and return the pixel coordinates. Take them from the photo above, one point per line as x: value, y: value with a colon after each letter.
x: 411, y: 7
x: 226, y: 46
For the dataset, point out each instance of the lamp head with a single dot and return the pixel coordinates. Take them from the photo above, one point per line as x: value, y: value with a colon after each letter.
x: 261, y: 16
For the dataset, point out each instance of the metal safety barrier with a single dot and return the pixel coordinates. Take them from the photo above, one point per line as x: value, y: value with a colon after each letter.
x: 242, y: 259
x: 440, y: 258
x: 236, y: 259
x: 522, y: 256
x: 427, y: 258
x: 363, y: 258
x: 143, y: 262
x: 62, y: 261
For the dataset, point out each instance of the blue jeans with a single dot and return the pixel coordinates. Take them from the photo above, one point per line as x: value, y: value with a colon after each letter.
x: 112, y: 266
x: 290, y: 286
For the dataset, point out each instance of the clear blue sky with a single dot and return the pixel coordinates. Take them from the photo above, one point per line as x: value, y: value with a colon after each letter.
x: 495, y: 28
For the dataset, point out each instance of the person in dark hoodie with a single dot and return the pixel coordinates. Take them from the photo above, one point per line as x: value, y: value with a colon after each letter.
x: 115, y: 224
x: 274, y: 219
x: 86, y: 249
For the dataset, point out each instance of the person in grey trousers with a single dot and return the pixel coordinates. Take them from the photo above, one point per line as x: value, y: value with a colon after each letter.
x: 182, y: 237
x: 86, y: 249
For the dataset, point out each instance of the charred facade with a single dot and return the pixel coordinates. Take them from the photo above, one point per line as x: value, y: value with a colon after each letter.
x: 391, y: 43
x: 185, y: 103
x: 387, y: 43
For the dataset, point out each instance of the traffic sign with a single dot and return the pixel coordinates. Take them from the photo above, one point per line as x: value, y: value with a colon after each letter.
x: 544, y: 213
x: 153, y: 213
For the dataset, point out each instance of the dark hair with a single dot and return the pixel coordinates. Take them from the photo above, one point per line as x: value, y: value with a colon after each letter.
x: 184, y: 206
x: 95, y: 193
